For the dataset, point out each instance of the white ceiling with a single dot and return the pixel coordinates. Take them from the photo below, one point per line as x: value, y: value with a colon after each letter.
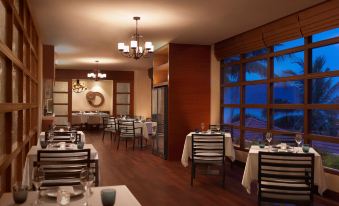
x: 87, y: 30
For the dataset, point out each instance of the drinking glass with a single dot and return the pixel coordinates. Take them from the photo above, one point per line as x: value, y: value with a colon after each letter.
x: 86, y: 180
x: 50, y: 137
x: 72, y: 138
x: 269, y: 139
x: 298, y: 139
x: 202, y: 126
x: 68, y: 126
x: 37, y: 179
x: 19, y: 193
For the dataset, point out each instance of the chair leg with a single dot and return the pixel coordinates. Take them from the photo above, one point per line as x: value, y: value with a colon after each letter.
x: 223, y: 175
x: 111, y: 137
x: 103, y: 135
x: 126, y: 143
x: 192, y: 174
x: 133, y: 143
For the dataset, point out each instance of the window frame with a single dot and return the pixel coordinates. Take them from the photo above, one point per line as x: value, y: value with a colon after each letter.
x: 307, y: 106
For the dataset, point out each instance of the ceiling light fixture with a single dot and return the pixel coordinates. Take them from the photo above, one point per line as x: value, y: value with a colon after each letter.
x: 78, y: 86
x: 96, y: 75
x: 135, y: 50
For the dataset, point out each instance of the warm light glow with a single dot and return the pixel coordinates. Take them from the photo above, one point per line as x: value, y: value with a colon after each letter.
x: 151, y: 49
x: 126, y: 49
x: 134, y: 44
x: 148, y: 45
x: 121, y: 46
x: 140, y: 49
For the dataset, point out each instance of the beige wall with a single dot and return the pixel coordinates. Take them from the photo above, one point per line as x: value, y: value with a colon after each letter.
x: 105, y: 87
x: 142, y: 93
x: 215, y: 89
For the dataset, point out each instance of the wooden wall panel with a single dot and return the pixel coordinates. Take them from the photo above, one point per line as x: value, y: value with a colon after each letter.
x: 188, y: 93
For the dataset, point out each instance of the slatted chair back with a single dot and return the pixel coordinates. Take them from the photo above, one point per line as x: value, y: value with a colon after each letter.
x: 126, y: 129
x: 208, y: 148
x: 109, y: 123
x: 62, y: 167
x: 64, y: 136
x: 285, y: 177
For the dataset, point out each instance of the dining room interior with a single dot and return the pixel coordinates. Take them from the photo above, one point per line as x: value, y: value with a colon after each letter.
x: 169, y: 102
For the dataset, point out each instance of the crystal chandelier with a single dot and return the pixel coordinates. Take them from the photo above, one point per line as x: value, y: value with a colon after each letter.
x: 78, y: 86
x: 96, y: 75
x: 135, y: 50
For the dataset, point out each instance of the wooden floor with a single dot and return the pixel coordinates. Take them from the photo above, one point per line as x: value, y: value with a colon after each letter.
x: 155, y: 181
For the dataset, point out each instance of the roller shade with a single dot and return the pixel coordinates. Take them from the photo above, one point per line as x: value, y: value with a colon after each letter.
x: 245, y: 42
x: 313, y: 20
x: 282, y: 30
x: 320, y: 18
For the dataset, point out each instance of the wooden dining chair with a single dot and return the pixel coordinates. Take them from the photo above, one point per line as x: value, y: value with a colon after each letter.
x: 285, y: 178
x: 208, y: 149
x: 127, y: 131
x: 62, y: 167
x: 109, y: 125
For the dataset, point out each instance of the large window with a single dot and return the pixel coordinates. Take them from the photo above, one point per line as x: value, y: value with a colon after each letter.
x: 289, y: 88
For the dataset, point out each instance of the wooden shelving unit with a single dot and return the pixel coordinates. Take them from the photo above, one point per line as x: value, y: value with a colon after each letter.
x: 160, y: 67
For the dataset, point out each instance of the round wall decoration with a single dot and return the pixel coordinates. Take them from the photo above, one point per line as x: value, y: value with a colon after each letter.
x: 92, y: 96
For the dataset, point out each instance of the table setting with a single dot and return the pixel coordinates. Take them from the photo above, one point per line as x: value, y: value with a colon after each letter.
x: 251, y: 168
x: 187, y: 150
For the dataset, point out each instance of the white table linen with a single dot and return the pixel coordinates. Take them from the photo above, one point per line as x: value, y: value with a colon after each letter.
x: 84, y: 116
x: 187, y: 151
x: 42, y: 136
x: 143, y: 125
x: 32, y: 156
x: 123, y: 197
x: 251, y: 169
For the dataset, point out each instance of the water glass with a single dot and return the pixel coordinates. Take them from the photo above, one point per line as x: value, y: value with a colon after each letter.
x: 19, y: 193
x: 306, y: 148
x: 63, y: 198
x: 37, y: 179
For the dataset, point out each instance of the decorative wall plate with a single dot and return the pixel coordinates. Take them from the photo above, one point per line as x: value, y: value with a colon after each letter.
x: 91, y: 96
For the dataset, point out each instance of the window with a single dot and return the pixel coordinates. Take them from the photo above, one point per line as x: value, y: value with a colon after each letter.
x: 288, y: 44
x: 273, y: 87
x: 288, y: 119
x: 232, y: 116
x: 325, y: 122
x: 231, y: 95
x: 325, y: 58
x: 289, y: 64
x: 253, y: 138
x: 232, y: 73
x: 325, y: 90
x: 329, y: 153
x: 326, y: 35
x: 256, y: 70
x: 291, y: 92
x: 231, y: 59
x: 256, y: 94
x: 256, y: 53
x: 255, y: 118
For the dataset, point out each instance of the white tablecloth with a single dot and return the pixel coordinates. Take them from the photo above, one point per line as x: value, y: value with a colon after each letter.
x: 143, y: 125
x: 84, y: 116
x: 187, y: 151
x: 251, y: 169
x: 32, y: 156
x: 124, y: 197
x: 42, y: 136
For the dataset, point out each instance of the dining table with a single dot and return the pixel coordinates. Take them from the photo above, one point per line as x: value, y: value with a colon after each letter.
x: 124, y: 197
x: 32, y: 157
x: 85, y: 115
x: 187, y: 150
x: 251, y: 168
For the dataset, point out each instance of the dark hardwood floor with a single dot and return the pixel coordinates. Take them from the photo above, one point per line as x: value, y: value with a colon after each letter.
x: 155, y: 181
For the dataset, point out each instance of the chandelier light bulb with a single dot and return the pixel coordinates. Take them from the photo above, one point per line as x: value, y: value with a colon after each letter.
x: 121, y: 46
x: 151, y: 50
x: 134, y: 44
x: 148, y: 45
x: 140, y: 50
x: 126, y: 49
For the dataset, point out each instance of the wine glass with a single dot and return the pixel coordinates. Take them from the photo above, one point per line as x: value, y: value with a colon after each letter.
x: 202, y: 126
x: 37, y: 179
x: 269, y: 139
x: 298, y: 139
x: 72, y: 138
x: 68, y: 126
x: 50, y: 137
x: 86, y: 180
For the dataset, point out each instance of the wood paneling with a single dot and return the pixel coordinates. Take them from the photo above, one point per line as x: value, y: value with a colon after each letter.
x: 48, y: 62
x: 188, y: 93
x: 20, y: 105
